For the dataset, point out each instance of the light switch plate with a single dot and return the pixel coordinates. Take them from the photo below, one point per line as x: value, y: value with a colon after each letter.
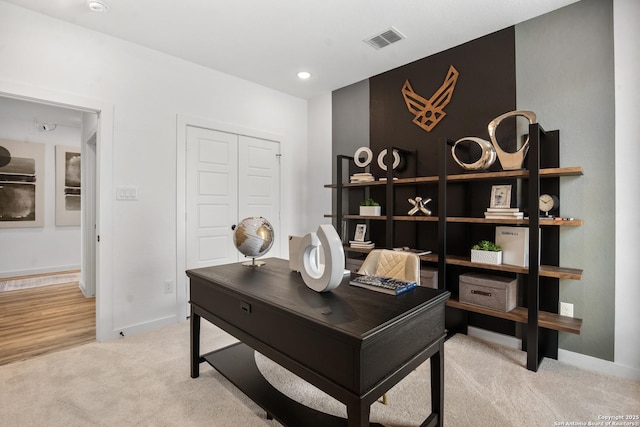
x: 126, y: 193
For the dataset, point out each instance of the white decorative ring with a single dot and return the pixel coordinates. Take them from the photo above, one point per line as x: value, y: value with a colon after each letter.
x: 487, y: 158
x: 369, y: 156
x: 383, y: 154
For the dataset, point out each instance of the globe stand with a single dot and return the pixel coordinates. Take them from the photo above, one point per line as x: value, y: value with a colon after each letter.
x: 253, y: 263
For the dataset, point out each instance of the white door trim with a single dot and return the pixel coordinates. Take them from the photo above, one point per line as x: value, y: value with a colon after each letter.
x: 182, y: 121
x: 104, y: 178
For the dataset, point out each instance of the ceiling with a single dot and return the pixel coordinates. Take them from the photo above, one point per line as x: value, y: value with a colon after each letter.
x: 269, y: 42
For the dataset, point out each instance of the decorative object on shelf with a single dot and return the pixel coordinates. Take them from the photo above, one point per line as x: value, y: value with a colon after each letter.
x: 361, y: 177
x: 419, y: 206
x: 510, y: 161
x: 503, y: 213
x: 361, y: 230
x: 366, y: 244
x: 368, y: 157
x: 514, y: 242
x: 429, y: 112
x: 325, y: 239
x: 548, y: 203
x: 486, y: 252
x: 500, y: 196
x: 370, y: 207
x: 383, y: 154
x: 496, y: 292
x: 487, y: 157
x: 253, y: 237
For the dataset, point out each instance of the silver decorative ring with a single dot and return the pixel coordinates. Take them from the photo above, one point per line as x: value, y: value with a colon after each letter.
x: 515, y: 160
x: 368, y: 156
x: 487, y: 158
x: 383, y: 154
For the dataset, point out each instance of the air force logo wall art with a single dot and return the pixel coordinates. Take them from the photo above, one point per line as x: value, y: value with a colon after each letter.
x: 429, y: 112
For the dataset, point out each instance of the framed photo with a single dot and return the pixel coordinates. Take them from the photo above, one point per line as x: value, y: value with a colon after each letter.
x: 500, y: 196
x: 21, y: 184
x: 361, y: 230
x: 67, y: 185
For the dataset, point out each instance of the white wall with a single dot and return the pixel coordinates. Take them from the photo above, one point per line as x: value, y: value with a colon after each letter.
x: 33, y: 250
x: 626, y: 15
x: 318, y: 198
x: 147, y: 90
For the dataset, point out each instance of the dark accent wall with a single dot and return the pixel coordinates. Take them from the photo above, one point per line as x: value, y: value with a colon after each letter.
x: 486, y: 88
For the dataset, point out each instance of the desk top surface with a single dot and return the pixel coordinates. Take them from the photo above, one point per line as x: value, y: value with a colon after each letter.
x: 355, y: 311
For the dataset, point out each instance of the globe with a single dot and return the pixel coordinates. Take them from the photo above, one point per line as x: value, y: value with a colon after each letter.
x: 253, y: 237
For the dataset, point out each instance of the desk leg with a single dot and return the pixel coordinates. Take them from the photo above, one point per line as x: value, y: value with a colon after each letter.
x: 195, y: 344
x: 358, y: 414
x: 437, y: 384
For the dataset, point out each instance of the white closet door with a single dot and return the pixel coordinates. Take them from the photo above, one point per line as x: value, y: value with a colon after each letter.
x: 259, y: 183
x: 211, y: 197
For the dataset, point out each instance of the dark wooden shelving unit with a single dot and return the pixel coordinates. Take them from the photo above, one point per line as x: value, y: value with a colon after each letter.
x: 537, y: 344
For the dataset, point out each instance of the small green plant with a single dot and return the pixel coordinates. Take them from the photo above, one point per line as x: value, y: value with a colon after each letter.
x: 486, y: 245
x: 369, y: 202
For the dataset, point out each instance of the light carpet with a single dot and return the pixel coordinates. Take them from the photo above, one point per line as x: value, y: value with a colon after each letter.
x: 144, y: 380
x: 40, y: 280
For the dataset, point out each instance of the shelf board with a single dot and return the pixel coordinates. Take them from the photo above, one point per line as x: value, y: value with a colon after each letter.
x: 520, y: 315
x: 545, y: 270
x: 467, y: 220
x: 517, y: 174
x: 472, y: 176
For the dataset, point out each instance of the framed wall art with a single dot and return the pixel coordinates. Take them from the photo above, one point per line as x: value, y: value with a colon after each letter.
x: 67, y: 185
x: 21, y: 184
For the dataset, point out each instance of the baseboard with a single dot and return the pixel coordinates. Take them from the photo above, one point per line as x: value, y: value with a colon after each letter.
x: 599, y: 365
x: 578, y: 360
x: 143, y: 327
x: 34, y: 271
x: 494, y: 337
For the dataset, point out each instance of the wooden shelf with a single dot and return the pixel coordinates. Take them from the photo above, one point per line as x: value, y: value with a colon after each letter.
x: 545, y: 270
x: 467, y: 220
x: 473, y: 176
x: 519, y: 314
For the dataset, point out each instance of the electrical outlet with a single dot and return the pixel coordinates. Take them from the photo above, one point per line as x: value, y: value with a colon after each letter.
x: 566, y: 309
x: 168, y: 286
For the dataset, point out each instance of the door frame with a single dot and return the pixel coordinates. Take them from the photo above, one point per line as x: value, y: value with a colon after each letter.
x: 104, y: 175
x: 182, y: 121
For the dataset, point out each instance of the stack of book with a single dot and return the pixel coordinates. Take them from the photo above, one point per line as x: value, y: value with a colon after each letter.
x: 361, y: 177
x: 385, y: 285
x: 367, y: 244
x: 503, y: 213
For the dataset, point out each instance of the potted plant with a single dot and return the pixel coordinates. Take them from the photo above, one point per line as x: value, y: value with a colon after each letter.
x: 486, y: 252
x: 369, y: 207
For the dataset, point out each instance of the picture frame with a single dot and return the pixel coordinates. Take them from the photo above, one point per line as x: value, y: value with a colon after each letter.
x: 500, y: 196
x: 361, y: 230
x: 22, y: 178
x: 68, y: 188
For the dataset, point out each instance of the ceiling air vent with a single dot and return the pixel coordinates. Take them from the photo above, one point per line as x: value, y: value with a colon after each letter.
x: 385, y: 38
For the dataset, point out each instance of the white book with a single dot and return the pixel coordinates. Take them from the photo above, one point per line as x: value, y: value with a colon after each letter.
x: 514, y: 242
x: 503, y: 209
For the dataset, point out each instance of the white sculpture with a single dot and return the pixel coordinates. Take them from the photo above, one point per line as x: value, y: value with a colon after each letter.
x: 327, y: 240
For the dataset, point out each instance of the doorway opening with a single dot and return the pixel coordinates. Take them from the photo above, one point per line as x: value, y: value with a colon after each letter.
x: 46, y: 253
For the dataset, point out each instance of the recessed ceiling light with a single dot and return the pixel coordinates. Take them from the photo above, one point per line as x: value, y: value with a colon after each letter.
x: 304, y: 75
x: 97, y: 5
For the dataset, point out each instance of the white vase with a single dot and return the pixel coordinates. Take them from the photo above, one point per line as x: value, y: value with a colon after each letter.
x: 486, y: 257
x: 369, y: 210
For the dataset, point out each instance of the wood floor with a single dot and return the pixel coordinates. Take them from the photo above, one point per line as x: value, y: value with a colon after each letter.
x: 41, y: 320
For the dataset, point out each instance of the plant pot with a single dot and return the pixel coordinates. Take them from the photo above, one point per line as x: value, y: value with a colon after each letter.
x: 369, y: 210
x: 486, y: 257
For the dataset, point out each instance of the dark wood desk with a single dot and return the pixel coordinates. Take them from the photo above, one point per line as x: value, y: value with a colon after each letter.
x: 352, y: 343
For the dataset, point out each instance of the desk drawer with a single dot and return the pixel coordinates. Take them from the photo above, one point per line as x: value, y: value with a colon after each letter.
x: 260, y: 325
